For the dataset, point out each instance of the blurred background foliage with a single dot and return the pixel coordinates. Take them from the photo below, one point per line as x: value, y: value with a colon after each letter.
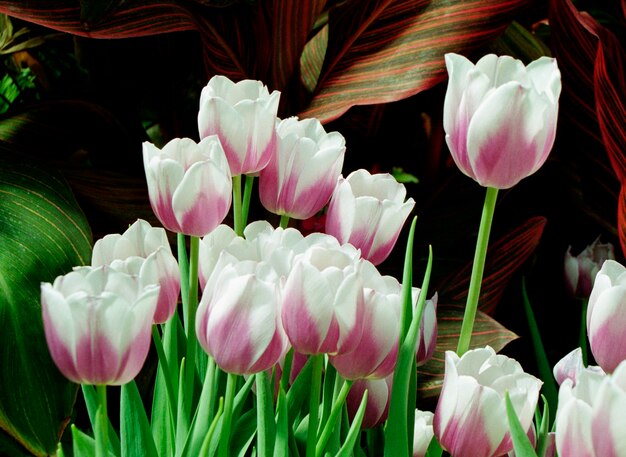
x: 84, y: 83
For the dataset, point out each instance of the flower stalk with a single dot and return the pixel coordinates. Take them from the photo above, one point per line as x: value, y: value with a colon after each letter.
x: 478, y: 268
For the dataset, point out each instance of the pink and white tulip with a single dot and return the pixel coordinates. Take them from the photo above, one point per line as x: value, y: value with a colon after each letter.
x: 423, y: 432
x: 606, y: 316
x: 238, y: 323
x: 300, y: 178
x: 500, y: 117
x: 157, y: 263
x: 322, y: 308
x: 368, y: 211
x: 189, y: 184
x: 581, y: 270
x: 378, y: 398
x: 470, y: 419
x: 428, y: 329
x: 243, y: 116
x: 97, y: 322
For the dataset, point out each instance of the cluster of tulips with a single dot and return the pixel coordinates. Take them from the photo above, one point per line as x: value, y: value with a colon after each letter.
x: 297, y: 317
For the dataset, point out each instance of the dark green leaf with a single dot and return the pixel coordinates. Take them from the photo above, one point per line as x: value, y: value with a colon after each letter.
x: 136, y: 436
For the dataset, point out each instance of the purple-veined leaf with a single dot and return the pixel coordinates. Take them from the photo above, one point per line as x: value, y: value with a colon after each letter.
x: 381, y: 50
x: 292, y: 25
x: 43, y: 234
x: 500, y: 266
x: 449, y: 319
x: 312, y: 59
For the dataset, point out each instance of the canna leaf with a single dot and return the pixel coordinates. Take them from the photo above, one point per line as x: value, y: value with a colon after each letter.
x: 381, y: 50
x: 499, y: 266
x: 43, y: 234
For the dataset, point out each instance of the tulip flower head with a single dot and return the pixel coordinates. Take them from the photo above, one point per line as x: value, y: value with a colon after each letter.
x: 97, y: 322
x: 378, y: 398
x: 301, y: 176
x: 238, y: 323
x: 470, y: 419
x: 581, y: 270
x: 423, y: 433
x: 322, y: 309
x: 368, y: 211
x: 189, y: 184
x: 243, y: 116
x: 606, y: 316
x: 157, y: 264
x: 500, y: 116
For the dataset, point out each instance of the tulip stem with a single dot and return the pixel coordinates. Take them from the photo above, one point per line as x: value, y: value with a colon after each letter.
x: 237, y: 213
x: 314, y: 403
x: 184, y: 273
x: 247, y: 194
x: 102, y: 422
x: 169, y: 387
x: 192, y: 304
x: 332, y: 419
x: 284, y: 221
x: 227, y: 418
x: 478, y: 268
x: 583, y: 333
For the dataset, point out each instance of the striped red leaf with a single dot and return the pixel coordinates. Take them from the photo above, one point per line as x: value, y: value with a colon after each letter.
x: 382, y: 50
x: 449, y: 318
x: 499, y: 266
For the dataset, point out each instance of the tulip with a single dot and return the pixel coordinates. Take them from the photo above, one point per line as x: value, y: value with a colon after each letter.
x: 378, y: 397
x: 606, y: 316
x: 238, y: 323
x: 157, y: 263
x: 97, y: 322
x: 428, y: 330
x: 243, y: 115
x: 189, y: 184
x: 569, y: 367
x: 210, y: 248
x: 423, y: 434
x: 581, y: 270
x: 368, y: 211
x: 301, y: 176
x: 608, y: 419
x: 575, y: 413
x: 322, y: 307
x: 500, y: 117
x: 471, y: 419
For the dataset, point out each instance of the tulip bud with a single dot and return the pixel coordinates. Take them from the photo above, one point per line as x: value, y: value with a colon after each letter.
x: 581, y: 271
x: 322, y: 308
x: 368, y: 211
x: 500, y: 116
x: 606, y: 316
x: 428, y: 330
x: 423, y: 434
x: 301, y: 176
x: 378, y: 398
x: 189, y: 184
x: 97, y: 322
x: 157, y: 263
x: 243, y: 116
x: 477, y: 383
x: 238, y: 323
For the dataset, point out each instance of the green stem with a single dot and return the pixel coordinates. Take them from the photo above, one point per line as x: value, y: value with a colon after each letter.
x: 192, y: 304
x: 582, y: 338
x: 169, y: 387
x: 286, y: 374
x: 314, y: 403
x: 102, y: 438
x: 224, y: 445
x: 477, y: 271
x: 183, y: 264
x: 332, y: 419
x: 266, y: 427
x: 237, y: 210
x: 284, y: 221
x: 247, y: 194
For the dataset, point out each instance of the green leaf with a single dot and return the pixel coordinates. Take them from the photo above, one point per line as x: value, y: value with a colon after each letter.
x: 43, y: 234
x: 355, y: 430
x: 91, y: 402
x: 281, y: 445
x: 134, y: 426
x: 519, y: 42
x: 434, y: 448
x: 521, y: 443
x: 83, y: 444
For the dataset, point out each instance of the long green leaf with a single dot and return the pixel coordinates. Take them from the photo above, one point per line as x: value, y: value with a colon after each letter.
x: 521, y: 444
x: 136, y: 436
x: 355, y: 430
x: 43, y: 234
